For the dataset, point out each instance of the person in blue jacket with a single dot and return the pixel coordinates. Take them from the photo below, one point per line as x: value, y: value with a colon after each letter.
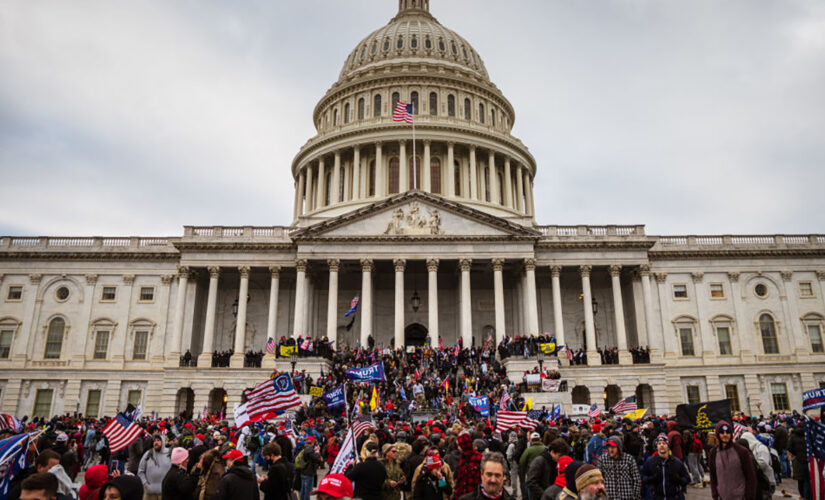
x: 665, y: 474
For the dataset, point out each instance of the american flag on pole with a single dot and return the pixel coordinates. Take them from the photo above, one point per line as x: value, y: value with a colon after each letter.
x: 625, y: 405
x: 270, y: 345
x: 505, y: 400
x: 353, y: 306
x: 815, y: 442
x: 527, y: 420
x: 345, y: 455
x: 361, y: 426
x: 270, y: 397
x: 120, y: 431
x: 403, y: 112
x: 594, y: 411
x: 8, y: 422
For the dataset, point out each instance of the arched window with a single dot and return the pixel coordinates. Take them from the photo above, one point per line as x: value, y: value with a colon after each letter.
x: 54, y: 338
x: 371, y: 179
x: 361, y: 108
x: 395, y: 98
x: 435, y: 175
x: 393, y: 175
x: 467, y: 110
x: 767, y: 326
x: 414, y: 42
x: 428, y: 44
x: 346, y: 113
x: 400, y: 43
x: 481, y: 112
x: 415, y: 176
x: 685, y: 331
x: 414, y: 102
x: 457, y: 178
x: 335, y: 118
x: 493, y: 117
x: 376, y: 106
x: 450, y: 105
x: 386, y: 44
x: 327, y: 187
x: 373, y: 48
x: 433, y: 103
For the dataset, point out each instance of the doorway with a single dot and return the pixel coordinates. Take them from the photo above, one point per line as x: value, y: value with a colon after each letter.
x: 415, y: 335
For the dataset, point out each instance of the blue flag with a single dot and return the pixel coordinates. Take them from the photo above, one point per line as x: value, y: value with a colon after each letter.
x: 353, y: 306
x: 14, y: 456
x: 815, y: 439
x: 336, y: 397
x: 481, y: 405
x: 374, y: 372
x: 403, y: 394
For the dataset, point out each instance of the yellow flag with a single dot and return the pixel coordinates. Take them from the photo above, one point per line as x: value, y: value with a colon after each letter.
x: 316, y: 391
x: 636, y: 414
x: 373, y: 399
x: 528, y: 405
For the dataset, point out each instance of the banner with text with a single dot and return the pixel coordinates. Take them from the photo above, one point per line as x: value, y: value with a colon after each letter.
x: 815, y: 398
x: 286, y: 349
x: 548, y: 385
x: 316, y: 391
x: 368, y: 373
x: 335, y: 397
x: 481, y: 405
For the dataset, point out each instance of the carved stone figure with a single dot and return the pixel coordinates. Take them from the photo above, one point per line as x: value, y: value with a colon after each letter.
x: 414, y: 222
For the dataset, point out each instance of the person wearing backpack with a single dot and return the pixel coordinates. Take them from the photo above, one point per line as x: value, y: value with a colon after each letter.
x: 307, y: 463
x: 694, y: 458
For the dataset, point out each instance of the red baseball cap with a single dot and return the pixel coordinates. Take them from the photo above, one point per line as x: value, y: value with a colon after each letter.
x: 233, y: 454
x: 335, y: 485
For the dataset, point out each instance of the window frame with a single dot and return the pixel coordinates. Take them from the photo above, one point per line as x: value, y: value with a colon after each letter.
x: 393, y: 175
x: 103, y: 290
x: 782, y: 395
x: 821, y: 345
x: 735, y: 404
x: 673, y: 291
x: 691, y: 329
x: 139, y: 332
x: 433, y: 104
x: 451, y: 105
x: 376, y: 105
x: 810, y: 285
x: 38, y: 403
x: 129, y: 398
x: 12, y: 287
x: 690, y: 388
x: 362, y: 106
x: 46, y: 353
x: 762, y: 336
x: 435, y: 175
x: 99, y: 333
x: 727, y: 326
x: 10, y: 331
x: 99, y: 393
x: 721, y: 290
x: 141, y: 300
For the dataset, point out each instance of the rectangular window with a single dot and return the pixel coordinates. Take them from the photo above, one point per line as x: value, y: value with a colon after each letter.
x: 133, y: 398
x: 806, y: 289
x: 680, y: 292
x: 686, y: 336
x: 43, y: 403
x: 779, y: 391
x: 147, y: 293
x: 109, y: 294
x: 723, y: 335
x: 732, y: 394
x: 693, y: 395
x: 15, y: 293
x: 141, y: 342
x: 815, y: 333
x: 101, y: 344
x: 93, y: 403
x: 717, y: 291
x: 5, y: 343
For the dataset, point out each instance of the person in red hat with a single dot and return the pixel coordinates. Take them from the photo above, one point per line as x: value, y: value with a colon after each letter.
x: 432, y: 483
x: 239, y: 482
x: 334, y: 486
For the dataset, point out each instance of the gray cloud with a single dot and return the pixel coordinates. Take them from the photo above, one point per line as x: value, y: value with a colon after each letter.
x: 137, y: 118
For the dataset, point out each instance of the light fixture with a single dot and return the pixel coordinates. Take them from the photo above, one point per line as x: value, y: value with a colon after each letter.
x: 595, y: 305
x: 415, y: 301
x: 235, y: 306
x: 225, y: 398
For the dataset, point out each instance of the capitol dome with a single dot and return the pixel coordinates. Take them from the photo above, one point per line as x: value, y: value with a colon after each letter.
x: 462, y: 150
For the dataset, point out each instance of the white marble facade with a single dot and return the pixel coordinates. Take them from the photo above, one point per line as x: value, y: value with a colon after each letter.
x: 90, y: 324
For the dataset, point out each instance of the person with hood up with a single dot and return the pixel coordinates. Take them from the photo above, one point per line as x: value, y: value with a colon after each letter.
x: 178, y: 484
x: 595, y: 447
x: 554, y: 490
x: 123, y: 488
x: 468, y: 474
x: 732, y: 475
x: 620, y: 472
x: 238, y: 483
x: 543, y: 469
x: 153, y: 468
x: 95, y: 477
x: 666, y: 475
x: 762, y: 456
x: 674, y: 440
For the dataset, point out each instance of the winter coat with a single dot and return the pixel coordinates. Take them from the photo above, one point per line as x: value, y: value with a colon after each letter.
x: 210, y: 476
x: 421, y: 471
x: 427, y: 488
x: 135, y: 454
x: 394, y: 473
x: 409, y: 466
x: 541, y: 474
x: 621, y: 475
x: 278, y: 482
x: 477, y: 495
x: 178, y: 485
x: 153, y: 468
x: 532, y: 451
x: 674, y: 438
x: 762, y: 455
x: 468, y: 474
x: 312, y: 461
x: 95, y: 477
x: 238, y: 483
x: 748, y: 471
x: 797, y: 448
x: 667, y: 477
x: 369, y: 477
x: 130, y: 488
x: 780, y: 438
x: 595, y: 448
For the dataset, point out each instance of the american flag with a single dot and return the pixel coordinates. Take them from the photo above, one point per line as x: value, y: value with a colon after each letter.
x: 353, y: 305
x: 270, y: 397
x: 362, y: 425
x: 625, y: 405
x: 8, y: 422
x: 737, y: 431
x: 527, y: 420
x: 594, y: 411
x: 403, y: 112
x: 289, y: 429
x: 815, y: 442
x: 270, y: 345
x: 120, y: 431
x: 505, y: 400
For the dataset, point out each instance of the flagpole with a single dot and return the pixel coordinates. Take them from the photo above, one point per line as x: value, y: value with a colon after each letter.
x: 415, y: 168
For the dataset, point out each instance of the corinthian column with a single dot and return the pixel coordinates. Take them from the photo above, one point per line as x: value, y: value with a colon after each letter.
x: 432, y: 300
x: 272, y: 318
x: 558, y: 321
x: 236, y: 361
x: 589, y: 325
x: 366, y: 300
x: 332, y: 302
x: 300, y: 298
x: 205, y: 358
x: 449, y: 185
x: 532, y: 299
x: 400, y: 266
x: 615, y: 279
x: 334, y: 196
x: 322, y: 179
x: 498, y: 295
x: 466, y: 305
x: 177, y: 326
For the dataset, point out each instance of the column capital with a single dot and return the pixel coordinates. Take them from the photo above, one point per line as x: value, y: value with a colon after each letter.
x: 333, y: 264
x: 529, y: 264
x: 660, y: 277
x: 244, y: 270
x: 166, y: 279
x: 465, y: 264
x: 820, y: 274
x: 733, y: 276
x: 555, y: 271
x: 183, y: 272
x: 786, y: 275
x: 498, y: 264
x: 400, y: 265
x: 301, y: 265
x: 472, y: 149
x: 275, y: 271
x: 697, y: 277
x: 432, y: 265
x: 426, y: 142
x: 615, y: 270
x: 356, y: 147
x: 644, y: 270
x: 367, y: 265
x: 91, y: 279
x: 378, y: 144
x: 451, y: 144
x: 337, y: 154
x: 214, y: 271
x: 585, y: 270
x: 128, y: 279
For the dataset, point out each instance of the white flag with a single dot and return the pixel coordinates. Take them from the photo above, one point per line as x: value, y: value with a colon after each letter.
x: 241, y: 418
x: 345, y: 455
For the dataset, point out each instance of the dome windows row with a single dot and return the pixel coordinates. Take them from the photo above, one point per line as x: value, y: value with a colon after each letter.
x: 412, y: 43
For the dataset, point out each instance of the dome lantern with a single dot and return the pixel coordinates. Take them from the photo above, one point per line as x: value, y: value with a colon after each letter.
x: 405, y: 5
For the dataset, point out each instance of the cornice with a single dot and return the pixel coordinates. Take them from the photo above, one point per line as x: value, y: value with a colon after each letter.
x: 90, y: 256
x: 414, y: 239
x: 735, y: 253
x: 233, y: 245
x: 591, y: 244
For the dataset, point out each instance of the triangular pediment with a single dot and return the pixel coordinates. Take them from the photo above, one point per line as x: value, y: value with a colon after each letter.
x: 415, y: 215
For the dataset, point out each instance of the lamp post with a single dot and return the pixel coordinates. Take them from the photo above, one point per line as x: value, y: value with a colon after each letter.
x: 540, y: 357
x: 293, y: 358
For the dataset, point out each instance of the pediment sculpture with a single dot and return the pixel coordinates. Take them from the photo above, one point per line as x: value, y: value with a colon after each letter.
x: 414, y: 222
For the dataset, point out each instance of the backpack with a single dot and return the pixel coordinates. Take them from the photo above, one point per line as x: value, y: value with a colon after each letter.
x: 252, y: 443
x: 300, y: 462
x: 697, y: 444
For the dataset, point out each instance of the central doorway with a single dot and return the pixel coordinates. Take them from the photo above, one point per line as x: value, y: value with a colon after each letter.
x: 415, y: 335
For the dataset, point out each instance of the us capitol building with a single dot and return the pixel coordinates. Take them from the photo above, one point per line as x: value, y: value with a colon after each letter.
x: 440, y: 241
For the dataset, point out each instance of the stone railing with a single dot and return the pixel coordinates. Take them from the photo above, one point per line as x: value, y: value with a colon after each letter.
x: 33, y: 243
x: 237, y: 232
x: 590, y: 231
x: 737, y: 241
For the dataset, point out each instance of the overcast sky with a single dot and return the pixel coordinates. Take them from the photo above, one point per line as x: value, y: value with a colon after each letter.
x: 136, y: 118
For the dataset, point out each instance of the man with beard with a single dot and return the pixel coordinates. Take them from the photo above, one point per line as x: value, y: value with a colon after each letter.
x: 590, y: 483
x: 277, y: 484
x: 492, y: 480
x: 665, y: 474
x: 731, y: 468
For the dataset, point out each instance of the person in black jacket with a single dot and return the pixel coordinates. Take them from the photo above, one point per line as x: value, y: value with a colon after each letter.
x: 277, y: 484
x: 542, y: 471
x: 368, y: 476
x: 432, y: 485
x: 178, y: 484
x: 238, y: 483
